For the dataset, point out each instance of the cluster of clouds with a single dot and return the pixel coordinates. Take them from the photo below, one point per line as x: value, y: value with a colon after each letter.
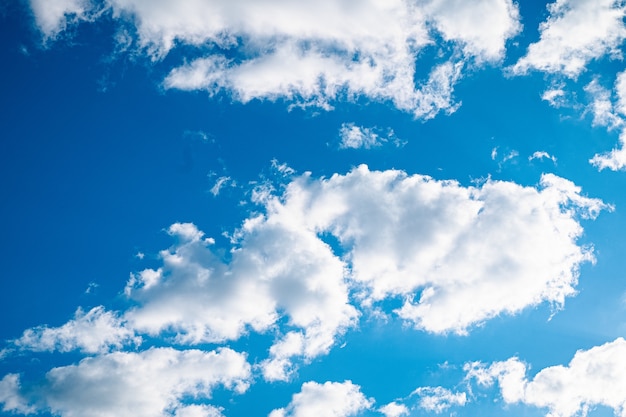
x: 594, y: 377
x: 318, y: 53
x: 455, y: 256
x: 307, y: 53
x: 576, y: 33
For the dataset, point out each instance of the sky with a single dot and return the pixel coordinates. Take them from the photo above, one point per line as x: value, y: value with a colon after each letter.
x: 300, y: 209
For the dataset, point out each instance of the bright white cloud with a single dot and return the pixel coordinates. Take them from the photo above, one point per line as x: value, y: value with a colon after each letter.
x: 542, y: 155
x: 276, y: 269
x: 576, y: 32
x: 355, y: 137
x: 151, y: 383
x: 394, y: 409
x: 95, y: 331
x: 312, y: 52
x: 52, y: 17
x: 593, y: 377
x: 481, y: 27
x: 331, y: 399
x: 615, y: 159
x: 458, y: 255
x: 439, y: 399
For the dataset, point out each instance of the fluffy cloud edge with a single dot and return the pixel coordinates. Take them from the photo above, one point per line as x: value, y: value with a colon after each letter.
x: 594, y: 377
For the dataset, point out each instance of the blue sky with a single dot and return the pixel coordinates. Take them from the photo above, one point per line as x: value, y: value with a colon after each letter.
x: 294, y: 209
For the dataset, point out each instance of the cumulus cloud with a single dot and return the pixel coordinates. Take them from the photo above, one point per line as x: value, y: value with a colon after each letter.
x: 95, y: 331
x: 481, y: 27
x: 394, y: 409
x: 332, y: 399
x: 120, y: 384
x: 439, y: 399
x: 593, y: 377
x: 312, y: 53
x: 456, y: 255
x: 276, y: 269
x: 576, y: 32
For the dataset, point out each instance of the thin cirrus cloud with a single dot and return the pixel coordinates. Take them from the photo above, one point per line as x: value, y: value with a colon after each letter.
x: 309, y: 53
x: 594, y: 377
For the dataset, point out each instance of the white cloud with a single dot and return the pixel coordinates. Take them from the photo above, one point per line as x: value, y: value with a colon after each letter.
x: 612, y: 114
x: 542, y: 155
x: 313, y: 53
x: 220, y: 183
x: 464, y: 254
x: 593, y: 377
x: 276, y: 269
x: 95, y: 331
x: 152, y: 383
x: 331, y: 399
x: 393, y: 409
x: 481, y: 27
x: 11, y: 398
x: 439, y: 399
x: 602, y: 106
x: 555, y: 96
x: 355, y: 137
x: 318, y: 77
x: 457, y: 256
x: 620, y: 91
x: 615, y: 159
x: 576, y: 32
x: 52, y: 17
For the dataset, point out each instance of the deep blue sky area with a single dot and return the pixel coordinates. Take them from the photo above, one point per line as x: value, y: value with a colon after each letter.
x: 118, y: 148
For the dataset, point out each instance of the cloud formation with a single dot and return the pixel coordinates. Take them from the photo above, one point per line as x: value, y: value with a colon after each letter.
x: 151, y: 383
x: 359, y: 137
x: 593, y: 377
x: 96, y: 331
x: 455, y: 256
x: 332, y: 399
x: 441, y: 246
x: 576, y: 32
x: 439, y: 399
x: 309, y: 53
